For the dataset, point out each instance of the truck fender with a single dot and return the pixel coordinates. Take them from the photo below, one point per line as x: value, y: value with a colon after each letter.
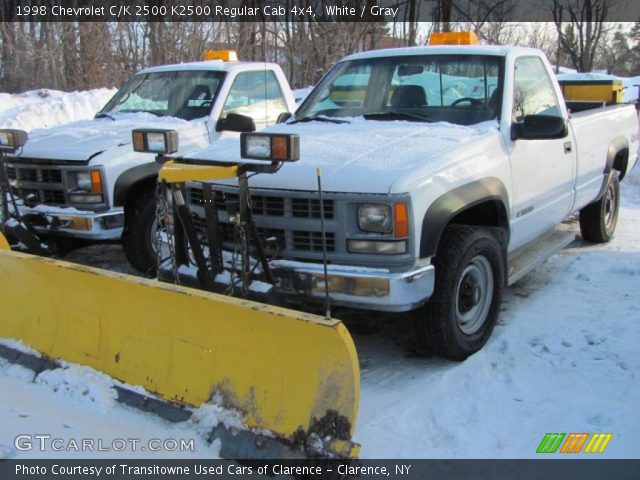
x: 128, y: 179
x: 617, y: 158
x: 455, y: 202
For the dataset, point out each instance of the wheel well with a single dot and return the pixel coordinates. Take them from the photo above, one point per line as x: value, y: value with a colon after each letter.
x: 487, y: 213
x: 620, y: 162
x: 143, y: 187
x: 490, y: 213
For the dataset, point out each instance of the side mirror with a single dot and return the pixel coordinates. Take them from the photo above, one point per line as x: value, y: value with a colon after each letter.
x: 234, y: 122
x: 283, y: 117
x: 539, y: 127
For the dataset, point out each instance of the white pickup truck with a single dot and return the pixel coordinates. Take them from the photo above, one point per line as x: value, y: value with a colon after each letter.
x: 83, y: 180
x: 445, y: 171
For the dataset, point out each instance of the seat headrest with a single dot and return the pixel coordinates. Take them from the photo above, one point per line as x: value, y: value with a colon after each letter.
x: 408, y: 96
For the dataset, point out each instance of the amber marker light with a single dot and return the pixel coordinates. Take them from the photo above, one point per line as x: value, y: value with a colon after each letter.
x: 401, y: 220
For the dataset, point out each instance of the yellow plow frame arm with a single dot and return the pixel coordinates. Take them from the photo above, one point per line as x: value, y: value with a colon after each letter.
x: 282, y: 369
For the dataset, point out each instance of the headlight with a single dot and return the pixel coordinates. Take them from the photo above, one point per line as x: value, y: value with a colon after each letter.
x: 83, y: 181
x: 90, y: 181
x: 85, y: 187
x: 375, y: 218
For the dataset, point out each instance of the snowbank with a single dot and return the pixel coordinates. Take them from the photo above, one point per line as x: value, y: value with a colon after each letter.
x: 47, y: 108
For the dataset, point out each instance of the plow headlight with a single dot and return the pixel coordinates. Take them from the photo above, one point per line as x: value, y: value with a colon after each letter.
x: 153, y: 140
x: 281, y: 147
x: 374, y: 218
x: 12, y: 139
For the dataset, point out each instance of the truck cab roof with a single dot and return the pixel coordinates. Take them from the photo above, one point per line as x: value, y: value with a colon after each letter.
x: 212, y: 65
x: 495, y: 50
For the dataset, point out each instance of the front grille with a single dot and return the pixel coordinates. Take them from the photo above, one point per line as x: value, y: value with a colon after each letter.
x: 312, y: 241
x: 275, y: 236
x: 47, y: 196
x: 310, y: 208
x: 50, y: 176
x: 37, y: 185
x: 260, y: 204
x: 267, y: 205
x: 43, y: 175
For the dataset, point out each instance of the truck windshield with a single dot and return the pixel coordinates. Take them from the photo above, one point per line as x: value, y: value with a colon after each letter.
x: 460, y: 89
x: 185, y: 94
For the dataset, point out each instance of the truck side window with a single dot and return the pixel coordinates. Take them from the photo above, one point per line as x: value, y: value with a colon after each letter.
x: 256, y: 95
x: 533, y: 91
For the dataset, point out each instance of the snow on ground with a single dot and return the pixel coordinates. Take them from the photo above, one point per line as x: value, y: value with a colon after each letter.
x: 563, y: 358
x: 47, y: 108
x: 77, y: 403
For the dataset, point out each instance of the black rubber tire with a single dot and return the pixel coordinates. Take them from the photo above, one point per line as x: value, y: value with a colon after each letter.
x: 438, y: 331
x: 598, y: 220
x: 140, y: 219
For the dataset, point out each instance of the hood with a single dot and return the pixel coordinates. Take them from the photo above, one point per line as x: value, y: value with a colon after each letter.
x: 80, y: 141
x: 364, y: 156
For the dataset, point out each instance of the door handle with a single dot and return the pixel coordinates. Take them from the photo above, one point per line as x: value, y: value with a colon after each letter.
x: 567, y: 147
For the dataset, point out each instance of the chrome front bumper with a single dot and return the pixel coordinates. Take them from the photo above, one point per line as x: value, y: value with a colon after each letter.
x: 78, y: 224
x: 354, y: 287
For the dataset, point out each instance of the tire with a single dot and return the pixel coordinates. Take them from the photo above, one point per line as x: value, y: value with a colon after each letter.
x: 598, y: 220
x: 460, y: 316
x: 138, y: 235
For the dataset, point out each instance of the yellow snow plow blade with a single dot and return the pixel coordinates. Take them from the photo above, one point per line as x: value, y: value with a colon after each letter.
x: 283, y: 370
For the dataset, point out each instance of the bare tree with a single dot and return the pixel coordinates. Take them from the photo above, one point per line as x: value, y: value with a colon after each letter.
x: 580, y: 27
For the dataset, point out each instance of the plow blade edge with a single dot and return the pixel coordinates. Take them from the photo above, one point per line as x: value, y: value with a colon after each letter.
x: 284, y: 371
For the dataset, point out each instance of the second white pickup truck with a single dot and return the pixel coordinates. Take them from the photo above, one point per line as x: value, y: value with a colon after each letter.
x: 445, y: 172
x: 83, y: 180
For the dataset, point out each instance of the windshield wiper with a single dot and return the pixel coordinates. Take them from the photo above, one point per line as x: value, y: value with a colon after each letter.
x: 318, y: 118
x: 104, y: 115
x: 157, y: 114
x: 395, y: 115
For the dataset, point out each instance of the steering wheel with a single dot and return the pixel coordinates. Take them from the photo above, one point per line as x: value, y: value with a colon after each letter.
x: 473, y: 101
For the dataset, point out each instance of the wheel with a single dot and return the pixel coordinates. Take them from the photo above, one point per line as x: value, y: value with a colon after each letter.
x: 140, y: 233
x: 598, y: 220
x: 460, y: 316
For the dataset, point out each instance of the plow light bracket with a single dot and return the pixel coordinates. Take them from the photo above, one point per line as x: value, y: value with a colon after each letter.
x: 279, y: 147
x: 12, y: 139
x: 155, y: 140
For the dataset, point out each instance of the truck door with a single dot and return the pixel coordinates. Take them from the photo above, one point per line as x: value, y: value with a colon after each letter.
x: 542, y: 170
x: 257, y: 95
